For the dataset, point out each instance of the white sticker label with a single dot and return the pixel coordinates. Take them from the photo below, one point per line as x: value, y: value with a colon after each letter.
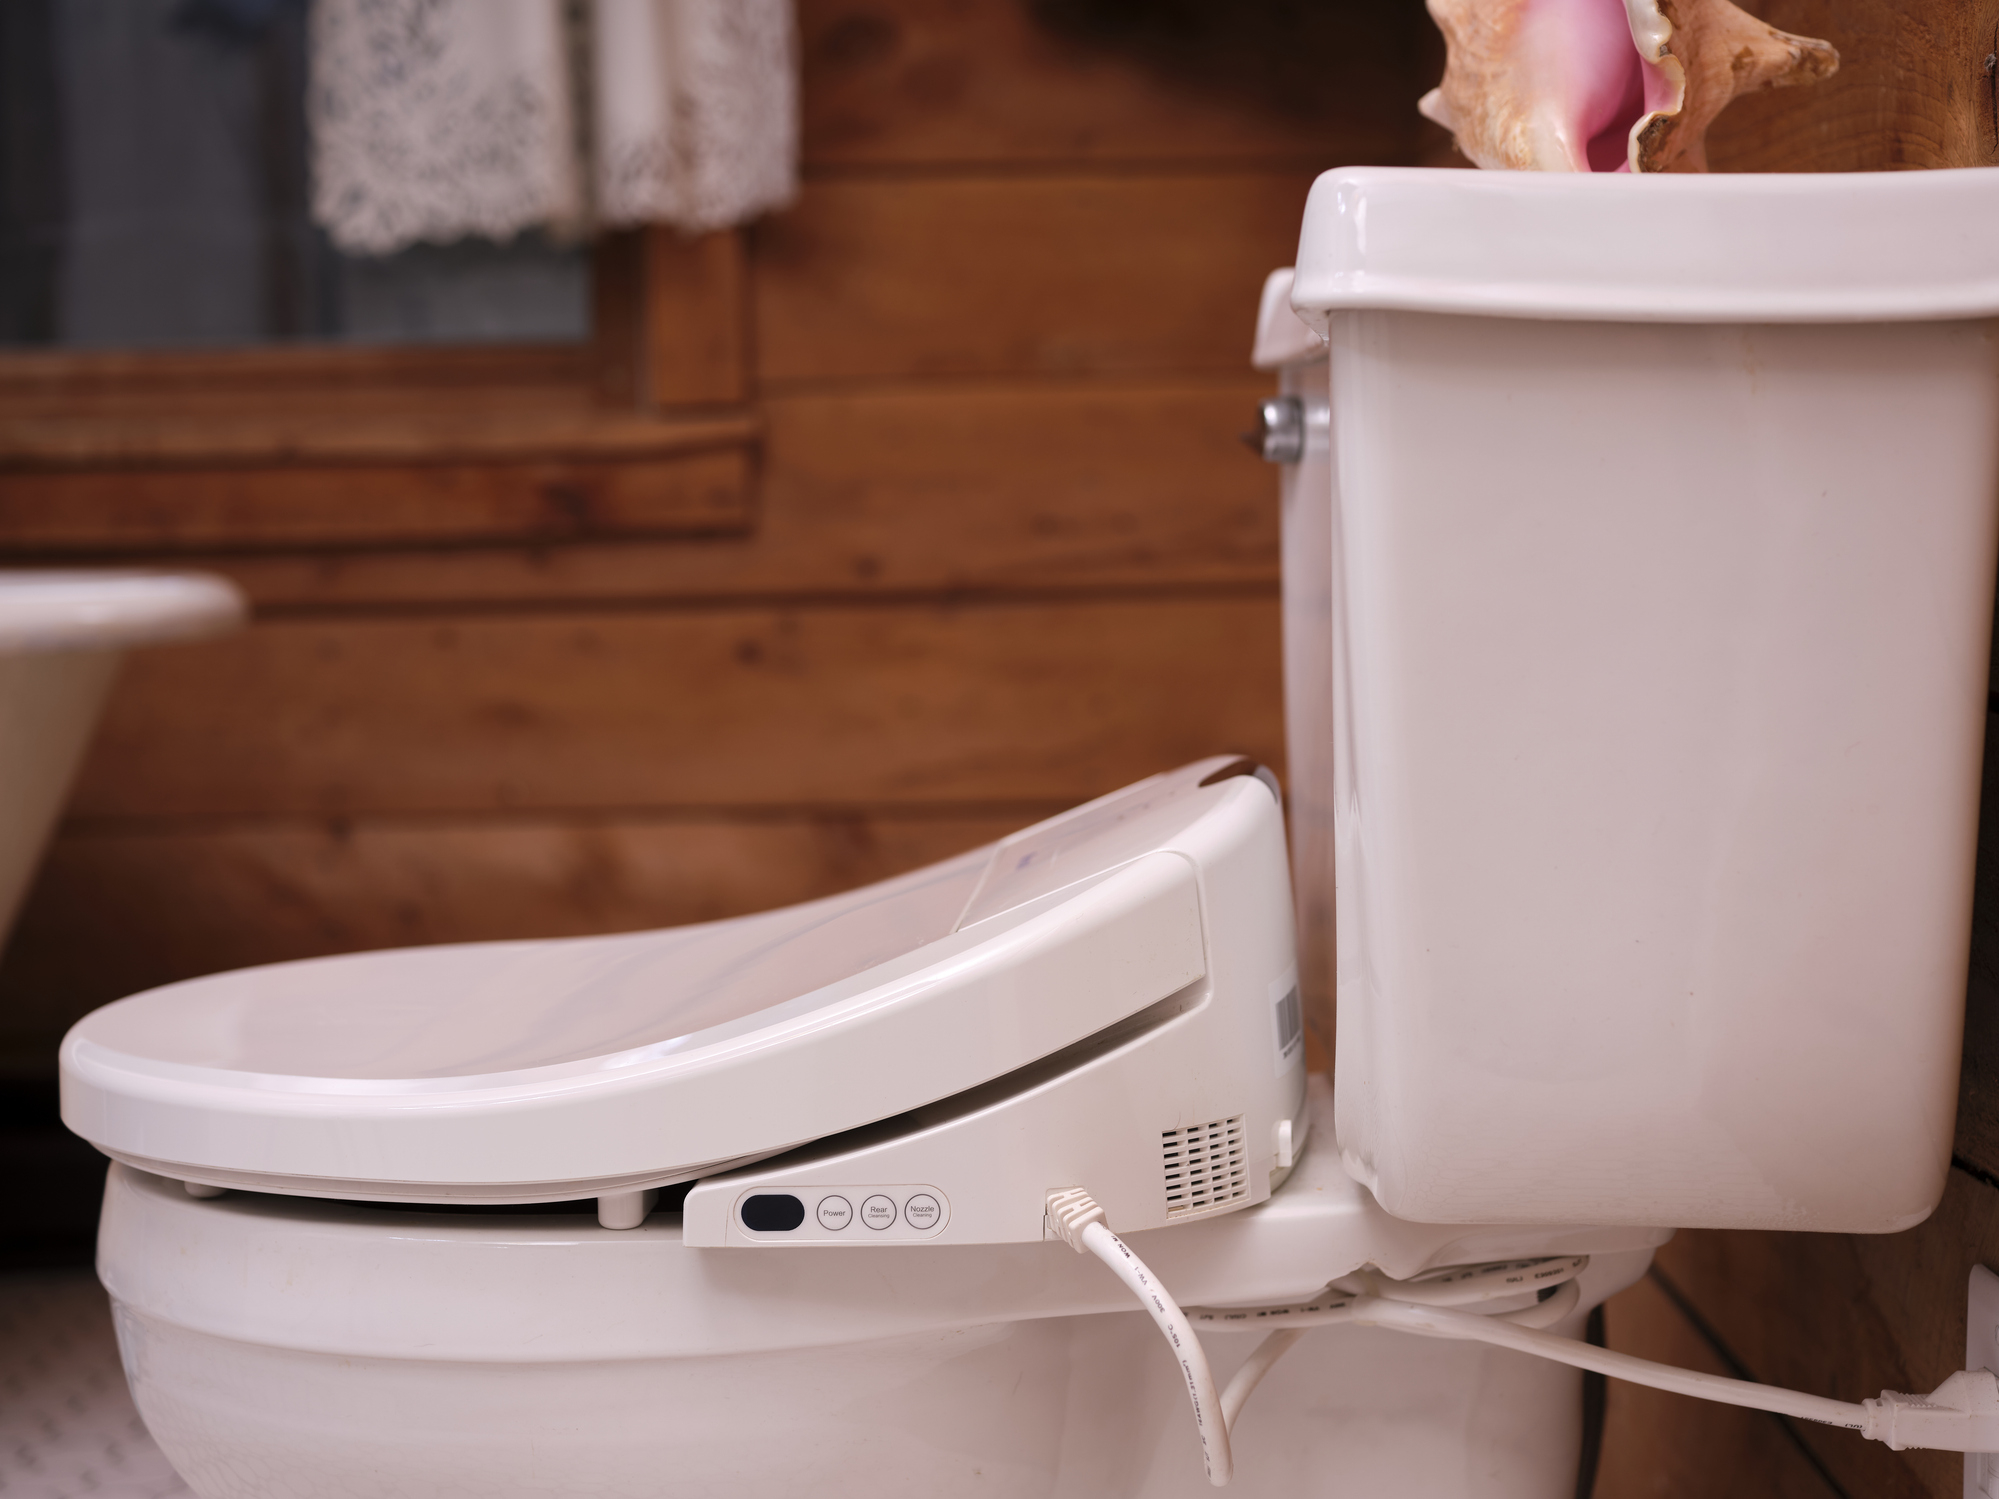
x: 1288, y: 1020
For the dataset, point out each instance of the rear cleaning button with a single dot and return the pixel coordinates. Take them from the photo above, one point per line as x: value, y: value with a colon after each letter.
x: 773, y: 1213
x: 878, y: 1212
x: 835, y: 1213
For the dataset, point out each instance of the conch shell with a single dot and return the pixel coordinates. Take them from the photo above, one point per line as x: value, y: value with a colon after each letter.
x: 1604, y: 85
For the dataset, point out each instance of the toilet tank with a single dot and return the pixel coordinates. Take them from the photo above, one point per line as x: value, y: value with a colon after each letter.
x: 1657, y: 531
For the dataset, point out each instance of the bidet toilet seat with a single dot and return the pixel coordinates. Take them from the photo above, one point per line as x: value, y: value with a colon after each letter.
x: 545, y: 1071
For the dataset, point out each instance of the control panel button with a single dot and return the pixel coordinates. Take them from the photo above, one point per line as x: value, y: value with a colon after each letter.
x: 835, y: 1213
x: 772, y: 1213
x: 921, y: 1211
x: 878, y: 1211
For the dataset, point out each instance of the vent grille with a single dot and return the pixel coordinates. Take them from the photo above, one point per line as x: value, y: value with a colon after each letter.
x: 1206, y: 1166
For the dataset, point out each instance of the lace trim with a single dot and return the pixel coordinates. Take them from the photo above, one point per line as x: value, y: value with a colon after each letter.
x: 435, y: 119
x: 707, y: 136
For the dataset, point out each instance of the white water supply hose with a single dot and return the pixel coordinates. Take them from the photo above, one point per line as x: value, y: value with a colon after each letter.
x: 1960, y: 1415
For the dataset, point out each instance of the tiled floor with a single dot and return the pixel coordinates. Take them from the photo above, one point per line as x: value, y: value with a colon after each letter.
x: 67, y: 1426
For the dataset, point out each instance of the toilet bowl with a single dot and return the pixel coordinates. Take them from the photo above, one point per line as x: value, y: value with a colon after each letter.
x: 789, y: 1202
x: 62, y: 635
x: 315, y: 1348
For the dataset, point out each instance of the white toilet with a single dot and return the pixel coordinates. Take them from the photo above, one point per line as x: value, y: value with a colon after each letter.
x: 1638, y: 586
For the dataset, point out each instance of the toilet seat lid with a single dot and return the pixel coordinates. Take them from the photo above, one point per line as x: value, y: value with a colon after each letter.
x: 539, y: 1071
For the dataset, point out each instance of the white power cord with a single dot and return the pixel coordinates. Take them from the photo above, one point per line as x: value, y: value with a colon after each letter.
x: 1078, y: 1221
x: 1960, y: 1415
x: 1075, y: 1216
x: 1463, y: 1285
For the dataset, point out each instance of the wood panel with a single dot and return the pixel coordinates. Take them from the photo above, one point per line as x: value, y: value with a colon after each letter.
x: 189, y: 901
x: 938, y: 82
x: 1848, y: 1315
x: 308, y: 506
x: 696, y: 318
x: 1913, y: 90
x: 1047, y: 486
x: 839, y: 707
x: 53, y: 380
x: 1660, y: 1446
x: 869, y: 279
x: 923, y: 489
x: 619, y: 343
x: 218, y: 429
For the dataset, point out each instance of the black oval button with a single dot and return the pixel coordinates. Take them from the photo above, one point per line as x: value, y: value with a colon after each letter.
x: 773, y: 1213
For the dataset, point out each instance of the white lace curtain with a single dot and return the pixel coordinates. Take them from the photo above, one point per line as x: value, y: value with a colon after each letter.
x: 436, y: 119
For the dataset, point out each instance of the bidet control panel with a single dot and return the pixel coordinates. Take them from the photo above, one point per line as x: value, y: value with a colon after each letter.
x: 775, y: 1214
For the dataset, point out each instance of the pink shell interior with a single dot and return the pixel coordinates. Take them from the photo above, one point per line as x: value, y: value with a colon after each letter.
x: 1594, y: 75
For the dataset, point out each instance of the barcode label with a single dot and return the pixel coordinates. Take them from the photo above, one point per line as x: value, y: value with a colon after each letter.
x: 1290, y: 1027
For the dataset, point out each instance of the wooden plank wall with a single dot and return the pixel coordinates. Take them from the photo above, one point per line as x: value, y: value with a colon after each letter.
x: 1001, y: 553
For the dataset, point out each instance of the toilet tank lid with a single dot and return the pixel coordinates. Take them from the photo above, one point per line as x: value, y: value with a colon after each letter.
x: 1283, y: 339
x: 1757, y: 248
